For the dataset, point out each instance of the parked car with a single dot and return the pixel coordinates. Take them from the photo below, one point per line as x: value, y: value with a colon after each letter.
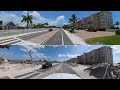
x: 91, y: 30
x: 46, y: 64
x: 71, y: 30
x: 50, y: 30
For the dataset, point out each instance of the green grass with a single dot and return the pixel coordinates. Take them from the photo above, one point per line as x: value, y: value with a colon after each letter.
x: 107, y: 40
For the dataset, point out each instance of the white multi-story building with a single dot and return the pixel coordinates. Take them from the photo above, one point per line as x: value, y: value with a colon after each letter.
x: 99, y: 20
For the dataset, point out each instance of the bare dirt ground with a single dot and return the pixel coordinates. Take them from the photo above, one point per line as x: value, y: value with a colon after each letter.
x: 86, y: 35
x: 14, y: 69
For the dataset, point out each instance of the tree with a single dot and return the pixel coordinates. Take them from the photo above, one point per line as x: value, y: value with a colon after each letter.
x: 28, y: 19
x: 1, y: 22
x: 46, y: 23
x: 5, y: 46
x: 73, y: 20
x: 65, y: 26
x: 117, y: 23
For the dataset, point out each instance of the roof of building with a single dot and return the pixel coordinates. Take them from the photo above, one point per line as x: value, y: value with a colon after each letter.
x: 7, y: 23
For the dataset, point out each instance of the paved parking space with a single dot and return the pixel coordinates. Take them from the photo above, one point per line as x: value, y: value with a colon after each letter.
x: 86, y: 35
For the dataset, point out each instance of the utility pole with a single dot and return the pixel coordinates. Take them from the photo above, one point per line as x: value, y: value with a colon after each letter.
x: 30, y: 56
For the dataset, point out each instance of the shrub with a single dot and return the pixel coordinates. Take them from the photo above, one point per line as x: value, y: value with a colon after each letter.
x: 117, y: 32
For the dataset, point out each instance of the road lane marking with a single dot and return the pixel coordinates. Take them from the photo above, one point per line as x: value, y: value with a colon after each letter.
x: 44, y: 41
x: 62, y: 38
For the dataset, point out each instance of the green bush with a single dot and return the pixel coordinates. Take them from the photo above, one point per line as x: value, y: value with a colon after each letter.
x: 117, y: 32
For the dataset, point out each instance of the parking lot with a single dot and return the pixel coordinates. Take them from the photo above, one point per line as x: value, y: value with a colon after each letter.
x: 86, y: 35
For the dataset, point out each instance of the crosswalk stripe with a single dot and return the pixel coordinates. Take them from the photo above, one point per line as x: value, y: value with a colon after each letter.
x: 9, y: 41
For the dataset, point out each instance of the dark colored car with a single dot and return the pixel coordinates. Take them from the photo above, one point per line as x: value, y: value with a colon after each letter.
x: 50, y: 30
x: 46, y: 64
x: 71, y: 30
x: 91, y: 30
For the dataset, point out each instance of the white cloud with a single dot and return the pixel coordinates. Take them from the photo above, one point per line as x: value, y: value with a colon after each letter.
x: 7, y: 17
x: 33, y: 48
x: 61, y: 55
x: 38, y: 56
x: 116, y: 59
x: 35, y: 54
x: 68, y: 55
x: 116, y: 48
x: 72, y: 55
x: 66, y: 46
x: 116, y: 53
x: 37, y: 18
x: 6, y: 55
x: 24, y: 12
x: 24, y: 57
x: 55, y: 46
x: 59, y: 21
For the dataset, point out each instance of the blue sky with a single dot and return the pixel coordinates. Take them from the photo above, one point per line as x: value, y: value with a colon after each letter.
x: 59, y: 53
x: 52, y: 17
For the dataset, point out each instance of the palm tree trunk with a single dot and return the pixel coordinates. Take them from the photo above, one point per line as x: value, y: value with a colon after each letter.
x: 27, y: 25
x: 74, y: 27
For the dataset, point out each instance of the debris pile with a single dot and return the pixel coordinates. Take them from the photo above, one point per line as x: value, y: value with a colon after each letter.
x: 115, y: 73
x: 105, y: 71
x: 73, y: 64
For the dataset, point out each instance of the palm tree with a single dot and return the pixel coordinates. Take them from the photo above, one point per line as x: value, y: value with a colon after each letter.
x: 1, y: 22
x: 73, y: 20
x: 117, y: 23
x: 27, y: 19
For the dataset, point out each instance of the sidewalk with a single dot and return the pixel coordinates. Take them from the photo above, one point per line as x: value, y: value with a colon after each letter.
x: 75, y: 39
x: 20, y: 35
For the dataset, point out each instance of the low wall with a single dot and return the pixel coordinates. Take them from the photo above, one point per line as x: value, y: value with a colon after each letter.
x: 111, y: 30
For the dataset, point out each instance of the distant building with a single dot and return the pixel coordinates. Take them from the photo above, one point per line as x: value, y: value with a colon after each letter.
x: 98, y: 21
x: 73, y: 60
x: 100, y: 55
x: 9, y: 26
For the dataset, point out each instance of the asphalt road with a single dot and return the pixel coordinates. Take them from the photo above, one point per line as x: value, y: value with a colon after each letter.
x: 60, y: 38
x: 59, y: 68
x: 66, y: 39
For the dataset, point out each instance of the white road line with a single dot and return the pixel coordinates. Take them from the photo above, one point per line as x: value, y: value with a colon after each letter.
x: 62, y: 38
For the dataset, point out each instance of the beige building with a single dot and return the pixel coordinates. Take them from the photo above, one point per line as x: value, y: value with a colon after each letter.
x: 101, y: 55
x: 99, y: 20
x: 73, y: 60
